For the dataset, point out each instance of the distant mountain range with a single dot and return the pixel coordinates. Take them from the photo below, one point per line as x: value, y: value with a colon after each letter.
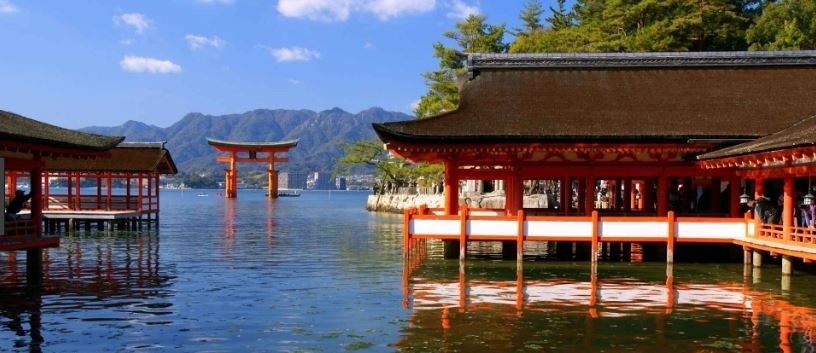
x: 319, y: 135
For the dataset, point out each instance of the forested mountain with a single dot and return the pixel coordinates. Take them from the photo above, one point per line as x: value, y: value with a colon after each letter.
x: 319, y: 133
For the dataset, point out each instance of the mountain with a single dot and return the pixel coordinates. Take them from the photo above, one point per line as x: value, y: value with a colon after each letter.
x: 319, y: 135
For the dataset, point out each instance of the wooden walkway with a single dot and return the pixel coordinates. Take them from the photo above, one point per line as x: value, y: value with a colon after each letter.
x: 493, y: 225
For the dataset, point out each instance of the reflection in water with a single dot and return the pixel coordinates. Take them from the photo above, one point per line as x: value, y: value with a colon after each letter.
x: 117, y: 270
x: 613, y: 313
x: 254, y: 275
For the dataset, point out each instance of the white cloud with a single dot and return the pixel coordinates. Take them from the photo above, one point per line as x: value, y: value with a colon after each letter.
x: 294, y: 54
x: 151, y: 65
x: 7, y: 7
x: 415, y: 104
x: 369, y: 45
x: 294, y: 81
x: 198, y: 42
x: 386, y: 9
x: 136, y: 20
x: 339, y: 10
x: 217, y: 2
x: 460, y: 11
x: 316, y: 10
x: 126, y: 41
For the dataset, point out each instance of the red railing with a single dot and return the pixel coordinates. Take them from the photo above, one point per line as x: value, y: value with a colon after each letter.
x: 22, y: 234
x: 101, y: 203
x: 803, y: 236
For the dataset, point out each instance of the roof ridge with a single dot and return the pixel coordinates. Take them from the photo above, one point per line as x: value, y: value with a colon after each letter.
x: 643, y: 59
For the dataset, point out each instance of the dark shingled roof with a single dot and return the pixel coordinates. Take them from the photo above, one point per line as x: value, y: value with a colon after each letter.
x: 802, y: 133
x: 643, y: 96
x: 17, y: 128
x: 145, y: 157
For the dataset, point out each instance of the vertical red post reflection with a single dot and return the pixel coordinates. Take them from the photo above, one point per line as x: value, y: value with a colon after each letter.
x: 462, y: 287
x: 519, y: 289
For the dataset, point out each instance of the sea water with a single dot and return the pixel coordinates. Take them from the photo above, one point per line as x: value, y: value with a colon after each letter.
x: 318, y: 273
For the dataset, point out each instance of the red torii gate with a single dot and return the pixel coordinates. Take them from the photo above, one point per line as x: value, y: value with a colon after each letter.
x: 252, y: 151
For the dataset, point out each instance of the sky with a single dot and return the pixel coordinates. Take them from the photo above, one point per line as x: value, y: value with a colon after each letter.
x: 100, y: 62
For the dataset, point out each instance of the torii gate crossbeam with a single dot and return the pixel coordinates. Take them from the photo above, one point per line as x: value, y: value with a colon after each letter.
x: 256, y: 152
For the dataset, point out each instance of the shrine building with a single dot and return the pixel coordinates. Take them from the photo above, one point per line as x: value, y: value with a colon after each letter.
x: 611, y: 142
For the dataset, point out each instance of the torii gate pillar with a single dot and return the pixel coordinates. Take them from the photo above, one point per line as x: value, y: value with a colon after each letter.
x: 252, y: 150
x: 272, y: 183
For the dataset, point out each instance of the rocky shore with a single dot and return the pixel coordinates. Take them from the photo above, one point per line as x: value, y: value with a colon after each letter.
x: 396, y: 203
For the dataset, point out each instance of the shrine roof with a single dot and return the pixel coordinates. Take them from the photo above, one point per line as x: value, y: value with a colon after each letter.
x: 146, y: 157
x: 16, y: 129
x: 621, y: 96
x: 799, y: 134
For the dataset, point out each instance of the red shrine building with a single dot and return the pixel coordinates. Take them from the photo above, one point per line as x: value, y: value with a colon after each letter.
x: 642, y: 147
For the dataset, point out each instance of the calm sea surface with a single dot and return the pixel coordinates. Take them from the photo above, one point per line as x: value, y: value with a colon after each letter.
x: 320, y: 274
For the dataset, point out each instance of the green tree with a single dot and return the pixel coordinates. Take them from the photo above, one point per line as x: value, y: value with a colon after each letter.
x: 392, y: 173
x: 784, y: 25
x: 561, y: 18
x: 531, y: 17
x: 646, y: 25
x: 473, y: 35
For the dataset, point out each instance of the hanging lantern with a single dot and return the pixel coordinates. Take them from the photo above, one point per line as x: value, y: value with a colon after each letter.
x: 744, y: 198
x: 808, y: 199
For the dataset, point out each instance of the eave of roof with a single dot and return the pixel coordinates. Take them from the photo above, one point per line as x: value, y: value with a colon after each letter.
x: 799, y: 134
x: 251, y: 145
x: 127, y: 157
x: 17, y: 128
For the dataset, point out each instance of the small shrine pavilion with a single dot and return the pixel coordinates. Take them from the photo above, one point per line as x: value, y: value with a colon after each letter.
x: 126, y: 183
x: 254, y: 152
x: 613, y: 137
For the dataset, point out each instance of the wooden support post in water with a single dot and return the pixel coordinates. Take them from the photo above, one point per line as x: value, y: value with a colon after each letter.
x: 520, y: 236
x: 757, y: 258
x: 670, y: 240
x: 34, y: 266
x: 787, y: 265
x: 593, y: 254
x: 462, y: 233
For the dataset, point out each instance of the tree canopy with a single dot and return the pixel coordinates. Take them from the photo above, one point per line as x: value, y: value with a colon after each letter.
x: 615, y: 26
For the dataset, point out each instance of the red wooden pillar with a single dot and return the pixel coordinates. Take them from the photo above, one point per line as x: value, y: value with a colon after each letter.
x: 589, y: 194
x: 232, y: 186
x: 759, y: 187
x: 36, y: 197
x: 45, y: 190
x: 108, y: 192
x: 513, y: 191
x: 139, y: 194
x: 451, y: 188
x: 127, y: 191
x: 272, y: 179
x: 628, y: 194
x: 566, y: 188
x: 156, y: 185
x: 78, y: 199
x: 733, y: 197
x: 149, y: 191
x: 787, y: 207
x: 98, y: 192
x: 714, y: 188
x: 662, y: 194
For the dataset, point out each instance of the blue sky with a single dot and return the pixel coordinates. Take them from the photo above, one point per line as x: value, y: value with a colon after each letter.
x: 102, y: 62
